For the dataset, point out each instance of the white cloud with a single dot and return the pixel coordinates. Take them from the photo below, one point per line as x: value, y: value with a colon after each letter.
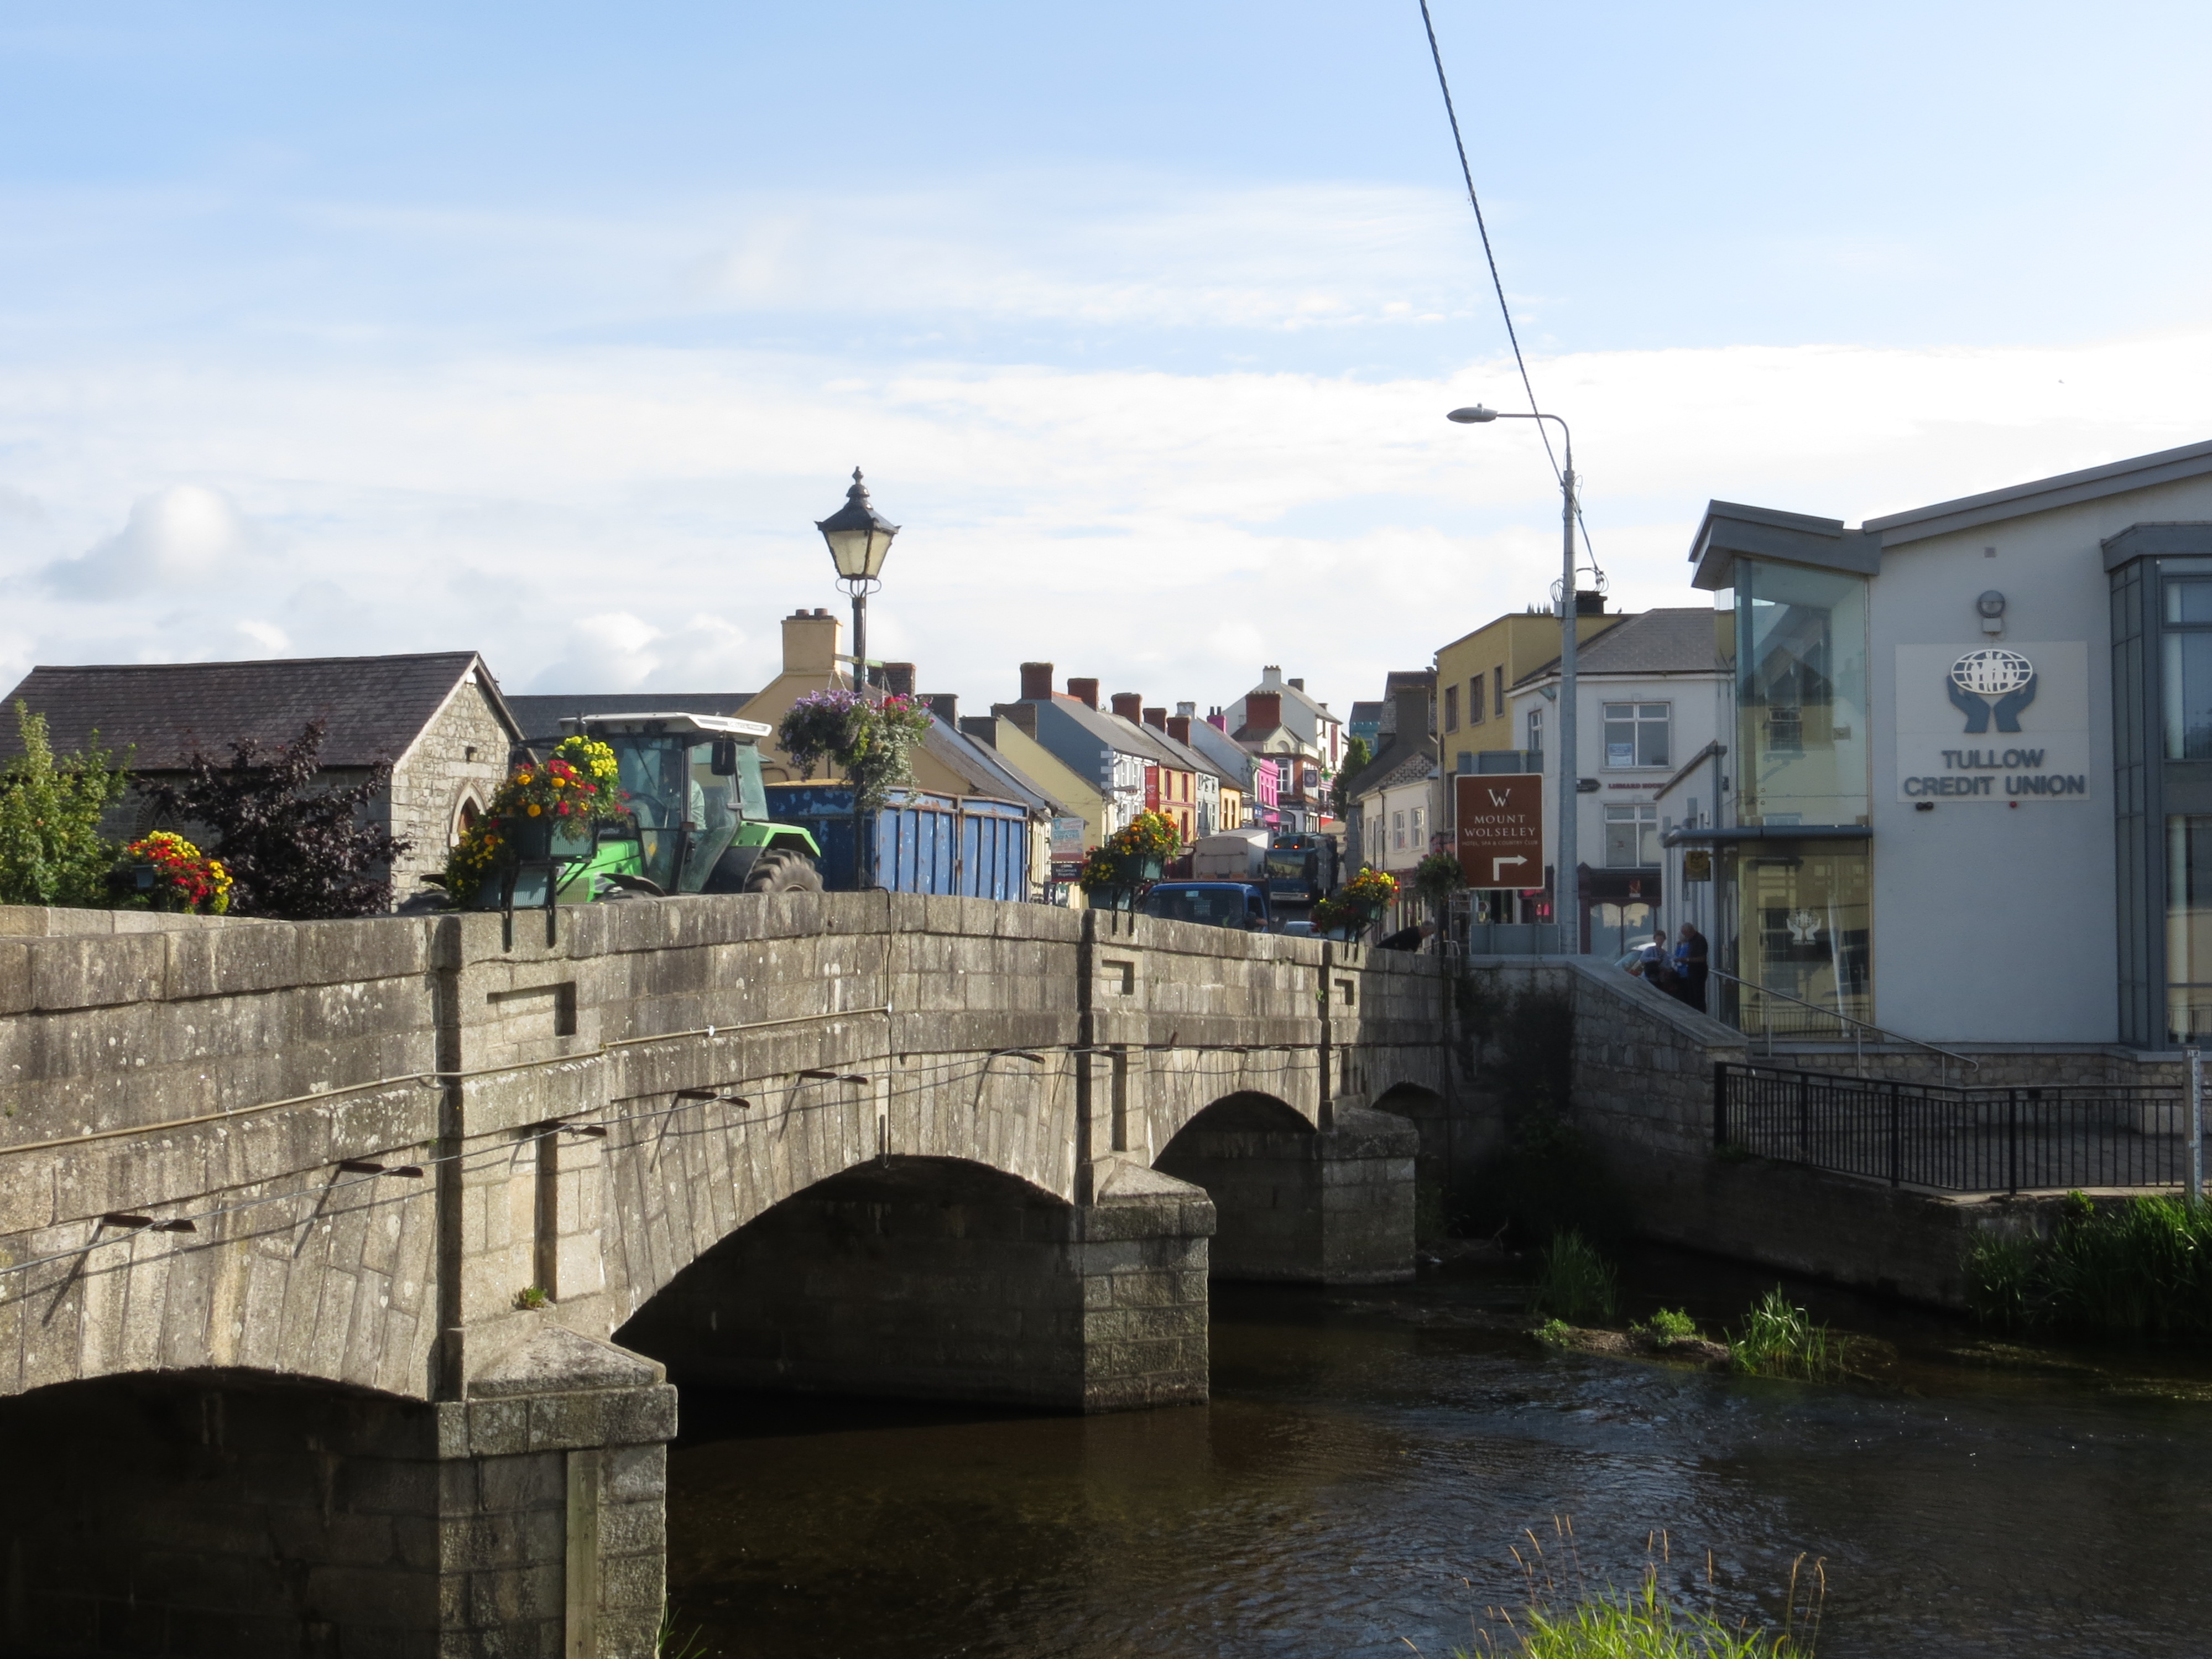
x: 626, y: 518
x: 186, y: 533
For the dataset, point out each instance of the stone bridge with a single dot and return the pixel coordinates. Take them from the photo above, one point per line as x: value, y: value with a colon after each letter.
x: 345, y: 1266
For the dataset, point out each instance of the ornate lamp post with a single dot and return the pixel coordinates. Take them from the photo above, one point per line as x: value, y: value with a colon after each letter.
x: 859, y: 536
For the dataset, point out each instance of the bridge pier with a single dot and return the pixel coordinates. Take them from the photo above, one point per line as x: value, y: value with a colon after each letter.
x: 922, y: 1278
x: 217, y: 1515
x: 1328, y: 1206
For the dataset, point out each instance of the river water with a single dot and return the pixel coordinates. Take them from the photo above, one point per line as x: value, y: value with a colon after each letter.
x: 1369, y: 1457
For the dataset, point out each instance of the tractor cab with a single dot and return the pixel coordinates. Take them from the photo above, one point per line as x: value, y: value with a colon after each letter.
x: 691, y: 783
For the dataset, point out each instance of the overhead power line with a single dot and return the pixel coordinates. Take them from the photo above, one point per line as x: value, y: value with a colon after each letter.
x: 1496, y: 283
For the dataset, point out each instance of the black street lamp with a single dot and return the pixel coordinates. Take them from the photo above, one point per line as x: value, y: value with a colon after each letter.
x: 859, y: 536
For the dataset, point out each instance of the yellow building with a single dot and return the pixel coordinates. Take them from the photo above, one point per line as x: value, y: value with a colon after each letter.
x: 814, y: 660
x: 1475, y: 675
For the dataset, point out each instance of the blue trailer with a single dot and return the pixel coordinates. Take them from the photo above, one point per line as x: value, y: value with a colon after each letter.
x: 969, y: 846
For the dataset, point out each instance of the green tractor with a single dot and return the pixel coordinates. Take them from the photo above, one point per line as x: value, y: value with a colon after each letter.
x: 697, y: 821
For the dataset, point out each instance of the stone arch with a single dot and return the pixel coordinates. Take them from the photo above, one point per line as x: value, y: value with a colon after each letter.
x: 1447, y: 1146
x: 219, y: 1511
x: 469, y: 805
x: 1297, y: 1203
x: 939, y: 1277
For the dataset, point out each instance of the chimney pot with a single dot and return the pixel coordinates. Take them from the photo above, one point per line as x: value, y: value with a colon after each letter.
x: 1084, y: 691
x: 1129, y: 705
x: 1156, y: 719
x: 1037, y: 682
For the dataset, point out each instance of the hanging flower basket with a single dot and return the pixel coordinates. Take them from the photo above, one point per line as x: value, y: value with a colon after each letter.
x: 578, y: 785
x: 165, y: 871
x: 1358, y: 905
x: 1132, y: 860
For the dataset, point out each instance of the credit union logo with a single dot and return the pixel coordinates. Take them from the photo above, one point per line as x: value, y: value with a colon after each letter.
x: 1991, y: 681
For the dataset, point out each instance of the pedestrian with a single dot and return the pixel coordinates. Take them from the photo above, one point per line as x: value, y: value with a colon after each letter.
x: 1691, y: 963
x: 1408, y: 939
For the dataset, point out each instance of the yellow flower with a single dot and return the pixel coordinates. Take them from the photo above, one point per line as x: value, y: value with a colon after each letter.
x: 535, y: 809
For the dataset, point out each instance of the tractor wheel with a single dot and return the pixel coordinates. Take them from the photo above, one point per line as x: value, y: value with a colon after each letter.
x: 784, y: 873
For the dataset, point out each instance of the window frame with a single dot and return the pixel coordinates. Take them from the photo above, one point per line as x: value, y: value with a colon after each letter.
x: 1637, y: 721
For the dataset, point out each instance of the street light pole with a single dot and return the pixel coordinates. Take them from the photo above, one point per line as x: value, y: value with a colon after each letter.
x: 1566, y: 861
x: 858, y: 538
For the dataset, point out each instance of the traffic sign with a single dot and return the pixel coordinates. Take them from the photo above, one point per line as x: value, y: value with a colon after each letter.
x: 1501, y: 829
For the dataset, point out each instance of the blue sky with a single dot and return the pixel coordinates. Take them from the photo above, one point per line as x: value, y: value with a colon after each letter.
x: 548, y: 331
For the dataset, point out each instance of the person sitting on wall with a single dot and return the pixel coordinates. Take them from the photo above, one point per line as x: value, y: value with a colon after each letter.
x: 1408, y: 938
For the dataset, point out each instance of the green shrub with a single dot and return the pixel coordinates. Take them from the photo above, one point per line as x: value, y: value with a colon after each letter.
x: 1573, y: 1281
x: 50, y: 848
x: 1780, y: 1338
x: 1670, y: 1325
x: 2141, y: 1270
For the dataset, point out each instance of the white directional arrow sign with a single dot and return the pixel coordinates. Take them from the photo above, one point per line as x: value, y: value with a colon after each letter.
x: 1499, y: 824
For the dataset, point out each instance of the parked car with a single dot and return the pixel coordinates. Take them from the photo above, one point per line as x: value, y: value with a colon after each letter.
x: 1209, y: 904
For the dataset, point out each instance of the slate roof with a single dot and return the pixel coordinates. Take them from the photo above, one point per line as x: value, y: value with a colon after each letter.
x: 541, y: 714
x: 1675, y: 640
x: 375, y: 707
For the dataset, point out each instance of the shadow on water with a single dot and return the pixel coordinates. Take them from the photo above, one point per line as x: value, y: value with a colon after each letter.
x: 1368, y: 1455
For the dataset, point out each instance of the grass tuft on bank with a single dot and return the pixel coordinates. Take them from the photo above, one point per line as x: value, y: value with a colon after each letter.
x: 1780, y: 1338
x: 2140, y: 1271
x: 1574, y: 1281
x: 1646, y: 1622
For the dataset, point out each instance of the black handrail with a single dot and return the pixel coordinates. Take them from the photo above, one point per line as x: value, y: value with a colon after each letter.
x: 1951, y: 1138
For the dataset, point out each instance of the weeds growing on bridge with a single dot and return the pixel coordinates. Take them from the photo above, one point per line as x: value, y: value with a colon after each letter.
x: 1573, y: 1281
x: 1779, y: 1338
x: 1647, y: 1622
x: 2140, y: 1271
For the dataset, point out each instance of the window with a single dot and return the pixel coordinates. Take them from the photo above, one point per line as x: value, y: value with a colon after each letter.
x: 1632, y: 838
x: 1398, y: 831
x: 1474, y: 701
x: 1497, y: 690
x: 1636, y: 733
x: 2188, y: 670
x: 1535, y: 731
x: 1451, y: 708
x: 1417, y: 833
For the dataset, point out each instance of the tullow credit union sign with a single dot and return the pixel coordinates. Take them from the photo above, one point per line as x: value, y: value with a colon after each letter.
x: 1993, y: 722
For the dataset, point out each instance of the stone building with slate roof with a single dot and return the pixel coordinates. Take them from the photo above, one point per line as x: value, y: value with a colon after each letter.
x: 437, y: 717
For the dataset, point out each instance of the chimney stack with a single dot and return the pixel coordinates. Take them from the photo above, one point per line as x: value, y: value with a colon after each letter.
x: 1413, y: 710
x: 1156, y: 719
x: 1084, y: 691
x: 945, y: 706
x: 1272, y: 674
x: 1218, y: 719
x: 898, y: 678
x: 1263, y: 711
x: 1179, y: 727
x: 1037, y: 682
x: 1188, y: 710
x: 1130, y: 705
x: 984, y: 728
x: 1022, y: 716
x: 1297, y: 685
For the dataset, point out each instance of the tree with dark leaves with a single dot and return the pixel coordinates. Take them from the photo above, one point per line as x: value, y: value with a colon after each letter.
x: 294, y: 848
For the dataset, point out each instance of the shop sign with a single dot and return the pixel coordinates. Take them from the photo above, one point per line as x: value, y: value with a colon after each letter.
x: 1067, y: 848
x: 1499, y: 817
x: 1992, y: 722
x: 1698, y: 864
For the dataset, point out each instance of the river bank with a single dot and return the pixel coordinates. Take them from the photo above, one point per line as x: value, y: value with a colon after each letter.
x: 1369, y: 1455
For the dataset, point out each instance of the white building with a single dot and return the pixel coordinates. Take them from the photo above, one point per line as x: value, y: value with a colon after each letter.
x: 1967, y: 790
x: 1651, y: 695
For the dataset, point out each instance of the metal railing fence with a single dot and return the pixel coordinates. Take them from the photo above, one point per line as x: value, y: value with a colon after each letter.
x: 1959, y: 1139
x: 1753, y: 1010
